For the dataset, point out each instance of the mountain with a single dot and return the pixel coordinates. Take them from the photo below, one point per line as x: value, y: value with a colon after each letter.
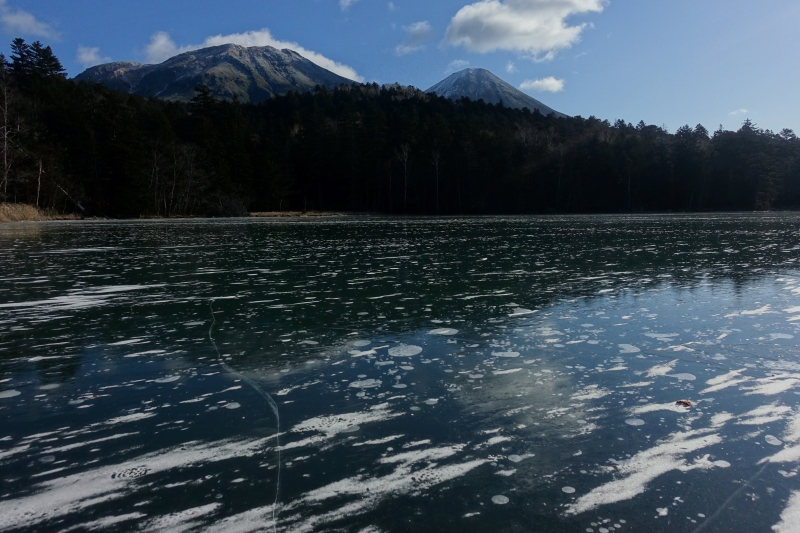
x: 479, y: 83
x: 251, y: 74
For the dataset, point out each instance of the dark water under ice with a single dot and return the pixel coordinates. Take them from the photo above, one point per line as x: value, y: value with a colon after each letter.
x: 475, y: 374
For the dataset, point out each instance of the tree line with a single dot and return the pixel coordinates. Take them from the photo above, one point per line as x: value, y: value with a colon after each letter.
x: 83, y: 148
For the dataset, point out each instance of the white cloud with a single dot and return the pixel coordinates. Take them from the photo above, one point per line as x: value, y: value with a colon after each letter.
x: 392, y: 7
x: 738, y: 112
x: 18, y: 22
x: 534, y: 27
x: 418, y: 34
x: 549, y: 84
x: 90, y: 56
x: 511, y: 68
x: 162, y: 47
x: 458, y: 64
x: 344, y: 4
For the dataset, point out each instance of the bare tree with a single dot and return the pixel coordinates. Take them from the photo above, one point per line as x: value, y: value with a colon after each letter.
x: 402, y: 156
x: 10, y: 128
x: 39, y: 184
x: 437, y: 157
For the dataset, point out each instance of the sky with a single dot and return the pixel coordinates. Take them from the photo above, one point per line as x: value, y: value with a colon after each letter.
x: 669, y: 63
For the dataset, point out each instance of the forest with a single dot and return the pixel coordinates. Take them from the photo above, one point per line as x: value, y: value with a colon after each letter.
x: 82, y: 148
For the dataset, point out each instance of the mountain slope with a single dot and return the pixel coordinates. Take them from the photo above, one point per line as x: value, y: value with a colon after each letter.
x: 478, y: 83
x: 250, y: 74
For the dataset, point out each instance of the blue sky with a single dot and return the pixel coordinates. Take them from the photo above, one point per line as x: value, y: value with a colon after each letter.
x: 714, y: 62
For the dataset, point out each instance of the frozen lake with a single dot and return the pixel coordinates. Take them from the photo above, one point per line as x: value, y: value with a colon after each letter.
x: 378, y: 375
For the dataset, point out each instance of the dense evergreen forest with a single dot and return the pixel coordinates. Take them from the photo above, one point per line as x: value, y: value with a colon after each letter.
x: 86, y: 149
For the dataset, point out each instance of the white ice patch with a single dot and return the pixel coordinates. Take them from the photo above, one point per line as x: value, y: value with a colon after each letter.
x: 378, y: 441
x: 180, y: 521
x: 646, y: 466
x: 127, y: 419
x: 75, y: 493
x: 405, y: 350
x: 443, y: 331
x: 9, y: 393
x: 663, y: 337
x: 774, y: 441
x: 731, y: 379
x: 506, y: 372
x: 500, y: 499
x: 653, y: 407
x: 662, y: 370
x: 773, y: 385
x: 366, y: 384
x: 362, y: 493
x: 330, y: 426
x: 767, y: 309
x: 765, y: 414
x: 509, y: 355
x: 592, y: 392
x: 168, y: 379
x: 683, y: 377
x: 628, y: 348
x: 790, y: 517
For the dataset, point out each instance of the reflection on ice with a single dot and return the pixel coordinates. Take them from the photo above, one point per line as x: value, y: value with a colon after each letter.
x: 589, y: 374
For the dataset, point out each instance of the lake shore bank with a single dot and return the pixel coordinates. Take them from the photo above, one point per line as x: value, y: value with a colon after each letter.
x: 30, y: 213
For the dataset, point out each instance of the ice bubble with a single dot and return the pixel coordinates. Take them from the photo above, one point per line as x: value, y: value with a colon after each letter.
x: 635, y: 422
x: 406, y: 367
x: 9, y: 393
x: 500, y: 499
x: 514, y: 458
x: 432, y: 401
x: 628, y: 348
x: 366, y: 384
x: 568, y: 490
x: 232, y: 405
x: 362, y: 376
x: 47, y: 459
x: 769, y: 439
x: 683, y: 377
x: 361, y: 344
x: 414, y: 408
x: 51, y: 386
x: 168, y: 379
x: 662, y: 511
x: 405, y: 350
x: 310, y: 343
x: 476, y: 376
x: 509, y: 355
x: 443, y: 331
x: 722, y: 464
x: 399, y: 386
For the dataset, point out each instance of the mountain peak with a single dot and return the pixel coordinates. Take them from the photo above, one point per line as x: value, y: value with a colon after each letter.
x: 481, y: 84
x: 249, y: 74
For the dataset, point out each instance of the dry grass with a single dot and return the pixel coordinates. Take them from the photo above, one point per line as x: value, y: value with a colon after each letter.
x: 25, y: 212
x: 18, y: 213
x: 268, y: 214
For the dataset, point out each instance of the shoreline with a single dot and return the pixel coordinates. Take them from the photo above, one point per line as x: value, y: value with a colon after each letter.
x: 10, y: 213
